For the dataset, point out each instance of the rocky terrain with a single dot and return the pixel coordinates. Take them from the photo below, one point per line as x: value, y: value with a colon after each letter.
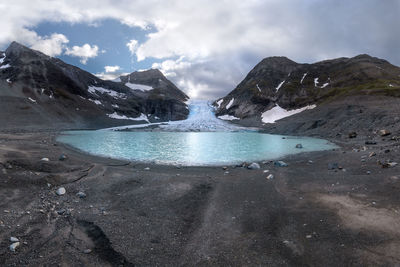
x: 280, y: 83
x: 63, y: 208
x: 41, y: 92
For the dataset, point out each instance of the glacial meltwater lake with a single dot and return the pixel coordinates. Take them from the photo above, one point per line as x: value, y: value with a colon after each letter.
x: 190, y: 148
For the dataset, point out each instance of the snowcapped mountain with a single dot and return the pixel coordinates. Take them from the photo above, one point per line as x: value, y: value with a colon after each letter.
x: 278, y: 87
x: 40, y: 91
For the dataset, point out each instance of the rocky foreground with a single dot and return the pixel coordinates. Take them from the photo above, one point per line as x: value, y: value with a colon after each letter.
x: 334, y: 208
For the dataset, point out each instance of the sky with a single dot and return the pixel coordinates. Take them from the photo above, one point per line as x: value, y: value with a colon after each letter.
x: 206, y: 47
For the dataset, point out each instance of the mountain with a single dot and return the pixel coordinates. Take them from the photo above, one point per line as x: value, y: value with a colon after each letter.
x: 38, y: 91
x: 282, y: 86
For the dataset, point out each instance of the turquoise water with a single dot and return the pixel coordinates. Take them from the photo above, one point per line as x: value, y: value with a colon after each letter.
x: 190, y: 148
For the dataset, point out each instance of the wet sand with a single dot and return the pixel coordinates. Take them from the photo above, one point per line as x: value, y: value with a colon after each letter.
x: 308, y: 214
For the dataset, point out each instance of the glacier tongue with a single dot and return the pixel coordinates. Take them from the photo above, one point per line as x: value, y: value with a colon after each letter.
x: 201, y: 119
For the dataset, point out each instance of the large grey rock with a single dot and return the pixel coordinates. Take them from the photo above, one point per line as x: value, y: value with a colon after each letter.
x: 254, y: 166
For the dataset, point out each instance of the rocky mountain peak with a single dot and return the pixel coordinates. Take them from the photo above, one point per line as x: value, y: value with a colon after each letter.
x: 19, y: 52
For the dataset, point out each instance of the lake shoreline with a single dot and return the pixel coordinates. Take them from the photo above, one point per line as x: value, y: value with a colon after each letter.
x: 340, y: 203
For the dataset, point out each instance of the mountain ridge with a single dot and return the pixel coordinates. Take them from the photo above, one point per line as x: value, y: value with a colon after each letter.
x: 64, y: 96
x: 283, y: 82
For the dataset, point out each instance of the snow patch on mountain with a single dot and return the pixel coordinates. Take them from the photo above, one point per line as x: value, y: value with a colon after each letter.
x: 316, y: 82
x: 97, y: 102
x: 304, y: 75
x: 230, y: 103
x: 228, y: 117
x: 5, y: 66
x: 279, y: 86
x: 277, y: 113
x: 94, y: 90
x: 115, y: 115
x: 219, y: 102
x: 140, y: 87
x: 324, y: 85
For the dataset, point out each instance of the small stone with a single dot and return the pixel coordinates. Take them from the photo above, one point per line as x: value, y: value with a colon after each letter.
x: 270, y: 177
x: 81, y: 194
x: 61, y: 211
x: 384, y: 132
x: 45, y: 159
x: 352, y: 135
x: 280, y: 163
x: 14, y: 239
x: 372, y: 154
x: 333, y: 166
x: 370, y: 142
x: 14, y: 246
x: 308, y: 236
x: 224, y: 168
x: 87, y: 251
x: 147, y: 169
x: 61, y: 191
x: 62, y: 157
x: 387, y: 150
x: 254, y: 166
x: 368, y: 172
x: 299, y: 146
x: 265, y: 171
x: 8, y: 166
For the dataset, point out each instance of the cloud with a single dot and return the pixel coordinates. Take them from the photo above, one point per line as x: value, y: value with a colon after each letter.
x: 221, y: 41
x: 52, y: 46
x: 132, y: 46
x: 84, y: 52
x: 111, y: 73
x: 112, y: 68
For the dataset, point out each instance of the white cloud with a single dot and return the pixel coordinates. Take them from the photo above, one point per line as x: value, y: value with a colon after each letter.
x: 112, y: 68
x: 132, y: 46
x: 52, y: 46
x: 84, y: 52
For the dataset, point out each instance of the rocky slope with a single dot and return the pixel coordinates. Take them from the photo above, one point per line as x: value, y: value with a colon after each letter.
x: 41, y: 92
x: 280, y: 83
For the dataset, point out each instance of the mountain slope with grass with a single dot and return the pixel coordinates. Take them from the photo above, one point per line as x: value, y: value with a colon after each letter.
x: 308, y: 96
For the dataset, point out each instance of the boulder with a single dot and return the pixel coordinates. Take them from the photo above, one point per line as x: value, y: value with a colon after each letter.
x: 280, y: 163
x: 254, y: 166
x: 61, y: 191
x: 384, y: 132
x: 14, y: 246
